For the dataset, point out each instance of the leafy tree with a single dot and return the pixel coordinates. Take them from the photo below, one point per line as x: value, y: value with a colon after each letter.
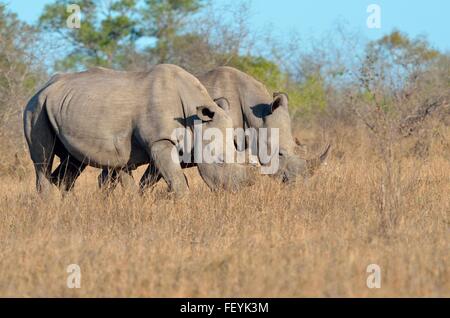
x: 306, y: 97
x: 164, y: 21
x: 20, y: 74
x: 395, y: 61
x: 106, y: 32
x: 110, y: 31
x: 260, y: 68
x: 17, y: 74
x: 406, y: 51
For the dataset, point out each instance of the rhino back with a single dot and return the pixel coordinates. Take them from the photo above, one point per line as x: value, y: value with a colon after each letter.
x: 247, y: 96
x: 93, y: 114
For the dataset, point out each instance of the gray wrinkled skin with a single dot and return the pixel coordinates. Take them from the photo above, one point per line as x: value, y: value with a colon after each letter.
x: 252, y: 106
x: 118, y: 121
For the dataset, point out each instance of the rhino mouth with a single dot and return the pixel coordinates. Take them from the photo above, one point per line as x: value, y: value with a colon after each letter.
x: 227, y: 176
x: 285, y: 178
x: 292, y: 167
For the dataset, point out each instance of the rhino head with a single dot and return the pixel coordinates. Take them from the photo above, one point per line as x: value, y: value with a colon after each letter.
x: 215, y: 170
x: 291, y: 166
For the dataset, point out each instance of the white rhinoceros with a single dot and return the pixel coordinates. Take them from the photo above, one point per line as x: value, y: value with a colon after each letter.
x: 251, y: 105
x: 121, y: 120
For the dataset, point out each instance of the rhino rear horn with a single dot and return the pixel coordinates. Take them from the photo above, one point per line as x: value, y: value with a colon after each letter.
x: 325, y: 153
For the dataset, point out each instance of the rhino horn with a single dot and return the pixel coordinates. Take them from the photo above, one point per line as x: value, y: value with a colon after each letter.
x: 314, y: 164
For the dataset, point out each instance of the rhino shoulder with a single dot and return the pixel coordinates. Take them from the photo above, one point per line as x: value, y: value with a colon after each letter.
x: 231, y: 73
x: 169, y: 69
x: 226, y: 70
x: 172, y: 71
x: 235, y: 75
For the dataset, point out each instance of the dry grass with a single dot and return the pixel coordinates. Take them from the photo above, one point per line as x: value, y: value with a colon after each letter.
x: 313, y: 239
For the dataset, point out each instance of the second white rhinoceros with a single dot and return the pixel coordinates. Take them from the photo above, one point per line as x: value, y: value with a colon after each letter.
x: 251, y: 106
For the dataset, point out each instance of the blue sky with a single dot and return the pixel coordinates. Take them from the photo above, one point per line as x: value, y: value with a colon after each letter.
x: 315, y: 17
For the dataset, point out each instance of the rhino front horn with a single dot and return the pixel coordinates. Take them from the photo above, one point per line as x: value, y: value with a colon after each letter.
x: 314, y: 164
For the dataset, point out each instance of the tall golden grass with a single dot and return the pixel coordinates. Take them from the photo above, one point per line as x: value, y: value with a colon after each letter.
x: 309, y: 239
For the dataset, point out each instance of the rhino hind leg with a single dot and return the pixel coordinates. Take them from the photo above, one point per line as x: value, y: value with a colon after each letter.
x: 67, y: 173
x: 41, y: 142
x: 42, y: 165
x: 170, y: 170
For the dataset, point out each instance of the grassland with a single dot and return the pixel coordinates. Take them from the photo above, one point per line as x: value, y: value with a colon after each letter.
x: 271, y: 240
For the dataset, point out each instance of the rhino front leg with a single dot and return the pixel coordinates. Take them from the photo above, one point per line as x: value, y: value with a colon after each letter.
x: 169, y: 168
x: 127, y: 181
x: 109, y: 178
x: 150, y: 177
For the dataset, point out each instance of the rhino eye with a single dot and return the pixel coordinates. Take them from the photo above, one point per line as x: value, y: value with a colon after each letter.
x: 282, y: 153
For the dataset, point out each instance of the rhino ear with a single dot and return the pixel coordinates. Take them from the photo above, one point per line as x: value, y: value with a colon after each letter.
x: 223, y: 103
x: 279, y: 100
x: 205, y: 113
